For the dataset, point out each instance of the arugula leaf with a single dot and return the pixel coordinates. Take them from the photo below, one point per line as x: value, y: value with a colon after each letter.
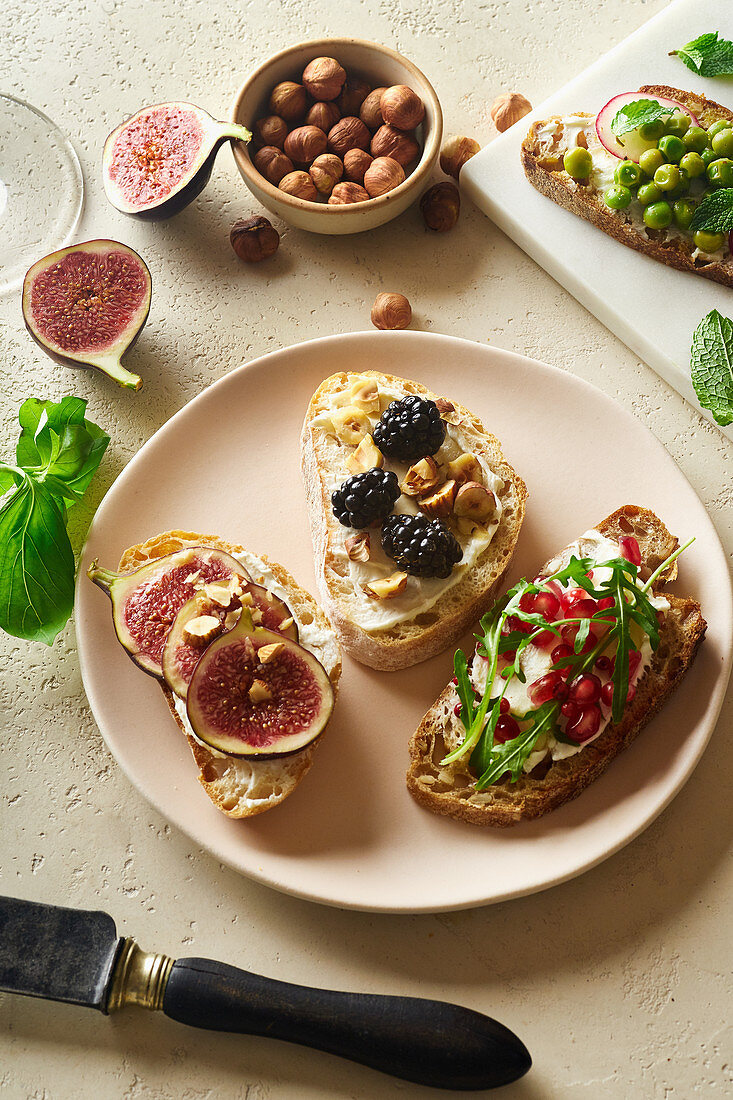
x: 715, y: 212
x: 708, y: 55
x: 638, y: 113
x: 712, y: 365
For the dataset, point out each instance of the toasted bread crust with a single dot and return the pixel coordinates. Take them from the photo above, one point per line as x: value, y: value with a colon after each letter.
x: 450, y: 791
x: 238, y: 787
x: 461, y: 605
x: 552, y: 181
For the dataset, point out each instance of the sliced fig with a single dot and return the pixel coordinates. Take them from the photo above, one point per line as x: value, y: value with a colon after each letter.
x: 145, y: 603
x: 86, y: 305
x: 257, y: 693
x: 274, y: 612
x: 158, y: 161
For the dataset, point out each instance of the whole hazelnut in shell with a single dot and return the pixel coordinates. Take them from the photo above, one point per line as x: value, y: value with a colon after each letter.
x: 456, y: 151
x: 323, y: 115
x: 304, y: 144
x: 390, y: 142
x: 401, y: 107
x: 288, y: 100
x: 323, y: 78
x: 326, y: 171
x: 272, y: 163
x: 440, y: 206
x: 348, y: 133
x: 391, y: 311
x: 300, y: 185
x: 370, y: 112
x: 254, y: 239
x: 344, y: 193
x: 356, y: 162
x: 383, y: 175
x: 271, y: 130
x: 508, y: 109
x: 353, y: 94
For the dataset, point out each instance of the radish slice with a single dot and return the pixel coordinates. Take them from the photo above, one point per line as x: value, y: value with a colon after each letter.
x: 633, y: 145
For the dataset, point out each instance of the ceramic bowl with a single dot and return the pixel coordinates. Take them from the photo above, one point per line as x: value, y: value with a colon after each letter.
x: 379, y: 66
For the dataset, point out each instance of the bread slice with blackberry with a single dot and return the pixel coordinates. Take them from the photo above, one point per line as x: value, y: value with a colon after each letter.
x: 548, y: 778
x: 414, y: 514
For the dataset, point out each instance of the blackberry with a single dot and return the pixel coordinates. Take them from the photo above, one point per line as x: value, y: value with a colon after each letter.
x: 409, y: 429
x: 364, y: 500
x: 421, y: 546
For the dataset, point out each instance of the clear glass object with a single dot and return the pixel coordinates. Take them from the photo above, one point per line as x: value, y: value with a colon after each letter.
x: 41, y: 189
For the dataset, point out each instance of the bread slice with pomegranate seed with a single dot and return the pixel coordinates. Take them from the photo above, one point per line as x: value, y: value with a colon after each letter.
x: 427, y: 630
x: 450, y: 789
x: 542, y: 159
x: 239, y: 786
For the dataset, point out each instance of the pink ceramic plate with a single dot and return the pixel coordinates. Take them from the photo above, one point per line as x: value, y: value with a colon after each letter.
x: 351, y: 835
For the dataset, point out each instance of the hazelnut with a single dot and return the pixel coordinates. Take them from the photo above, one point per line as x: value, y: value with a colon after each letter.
x: 364, y: 393
x: 271, y: 130
x: 440, y: 206
x: 348, y: 133
x: 259, y: 692
x: 441, y: 502
x: 353, y: 94
x: 267, y: 653
x: 508, y: 109
x: 456, y: 151
x: 350, y: 425
x: 370, y: 112
x: 304, y: 144
x: 286, y: 624
x: 300, y: 185
x: 220, y: 594
x: 390, y: 142
x: 344, y: 193
x: 358, y: 546
x: 464, y: 468
x: 474, y: 501
x: 326, y: 171
x: 254, y: 239
x: 323, y: 115
x: 367, y: 456
x: 356, y: 162
x: 401, y: 107
x: 288, y: 100
x: 202, y: 630
x: 323, y: 78
x: 387, y: 588
x: 421, y: 478
x: 391, y: 311
x: 272, y: 163
x: 383, y: 174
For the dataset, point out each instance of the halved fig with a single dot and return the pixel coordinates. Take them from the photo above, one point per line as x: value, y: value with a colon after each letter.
x: 631, y: 145
x: 145, y: 603
x: 86, y: 305
x: 257, y: 693
x: 158, y: 161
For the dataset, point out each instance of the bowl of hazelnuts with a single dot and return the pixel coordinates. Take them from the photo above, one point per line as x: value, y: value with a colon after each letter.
x: 345, y: 134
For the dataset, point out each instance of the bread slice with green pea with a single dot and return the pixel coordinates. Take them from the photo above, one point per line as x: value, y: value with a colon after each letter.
x: 672, y: 226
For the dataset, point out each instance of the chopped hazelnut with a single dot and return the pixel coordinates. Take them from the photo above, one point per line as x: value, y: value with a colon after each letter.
x: 350, y: 425
x: 474, y: 501
x: 202, y: 630
x: 259, y: 692
x: 364, y: 393
x: 441, y: 502
x: 267, y: 653
x: 421, y: 478
x: 387, y: 588
x: 367, y: 456
x: 464, y: 468
x: 358, y: 546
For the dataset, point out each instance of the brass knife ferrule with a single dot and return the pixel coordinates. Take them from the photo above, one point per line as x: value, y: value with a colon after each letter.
x: 139, y: 978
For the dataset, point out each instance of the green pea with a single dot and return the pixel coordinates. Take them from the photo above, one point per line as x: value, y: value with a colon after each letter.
x: 650, y: 160
x: 658, y: 215
x: 647, y: 193
x: 722, y: 143
x: 696, y: 139
x: 672, y: 148
x: 707, y: 157
x: 708, y: 242
x: 717, y: 127
x: 678, y: 124
x: 618, y: 198
x: 578, y: 163
x: 693, y: 164
x: 682, y: 211
x: 627, y: 174
x: 667, y: 177
x: 682, y: 187
x: 720, y: 173
x: 651, y: 131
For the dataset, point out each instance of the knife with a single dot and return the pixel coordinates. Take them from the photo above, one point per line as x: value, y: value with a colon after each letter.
x: 76, y: 956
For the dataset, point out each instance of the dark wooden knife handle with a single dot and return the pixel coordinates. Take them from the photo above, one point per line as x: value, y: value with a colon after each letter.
x: 429, y: 1042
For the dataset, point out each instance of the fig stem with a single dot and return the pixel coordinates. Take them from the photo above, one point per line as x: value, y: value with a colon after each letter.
x: 104, y: 578
x: 113, y: 369
x: 236, y: 132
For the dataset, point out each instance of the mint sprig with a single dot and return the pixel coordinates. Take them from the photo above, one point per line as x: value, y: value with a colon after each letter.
x: 712, y: 366
x: 638, y: 113
x: 715, y: 212
x: 708, y: 55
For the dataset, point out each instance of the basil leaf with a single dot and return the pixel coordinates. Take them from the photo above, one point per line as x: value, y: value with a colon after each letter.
x: 708, y: 55
x: 712, y: 365
x: 58, y: 442
x: 36, y: 564
x: 636, y: 114
x: 715, y: 212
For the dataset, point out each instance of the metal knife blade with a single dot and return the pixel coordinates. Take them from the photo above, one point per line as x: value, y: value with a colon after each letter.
x: 61, y: 954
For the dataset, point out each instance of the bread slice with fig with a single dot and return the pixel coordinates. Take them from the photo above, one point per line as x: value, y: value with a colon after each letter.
x: 414, y: 514
x: 560, y: 769
x: 238, y: 785
x: 543, y: 159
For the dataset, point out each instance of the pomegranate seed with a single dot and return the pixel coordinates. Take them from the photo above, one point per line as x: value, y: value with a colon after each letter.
x: 606, y: 603
x: 586, y: 690
x: 607, y: 693
x: 509, y: 654
x: 547, y: 605
x: 504, y: 706
x: 630, y: 693
x: 574, y: 594
x: 561, y: 691
x: 634, y: 661
x: 581, y: 609
x: 527, y: 602
x: 557, y: 591
x: 457, y: 710
x: 561, y: 653
x: 543, y: 639
x: 585, y: 725
x: 629, y: 548
x: 569, y: 709
x: 455, y: 681
x: 518, y: 624
x: 603, y: 663
x: 543, y: 690
x: 570, y: 633
x: 506, y: 729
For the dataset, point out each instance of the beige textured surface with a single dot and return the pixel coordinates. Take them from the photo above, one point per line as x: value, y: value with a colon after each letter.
x: 616, y: 981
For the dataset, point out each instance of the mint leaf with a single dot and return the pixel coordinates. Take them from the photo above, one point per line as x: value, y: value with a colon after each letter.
x: 712, y: 366
x: 637, y: 113
x: 708, y: 55
x: 715, y: 212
